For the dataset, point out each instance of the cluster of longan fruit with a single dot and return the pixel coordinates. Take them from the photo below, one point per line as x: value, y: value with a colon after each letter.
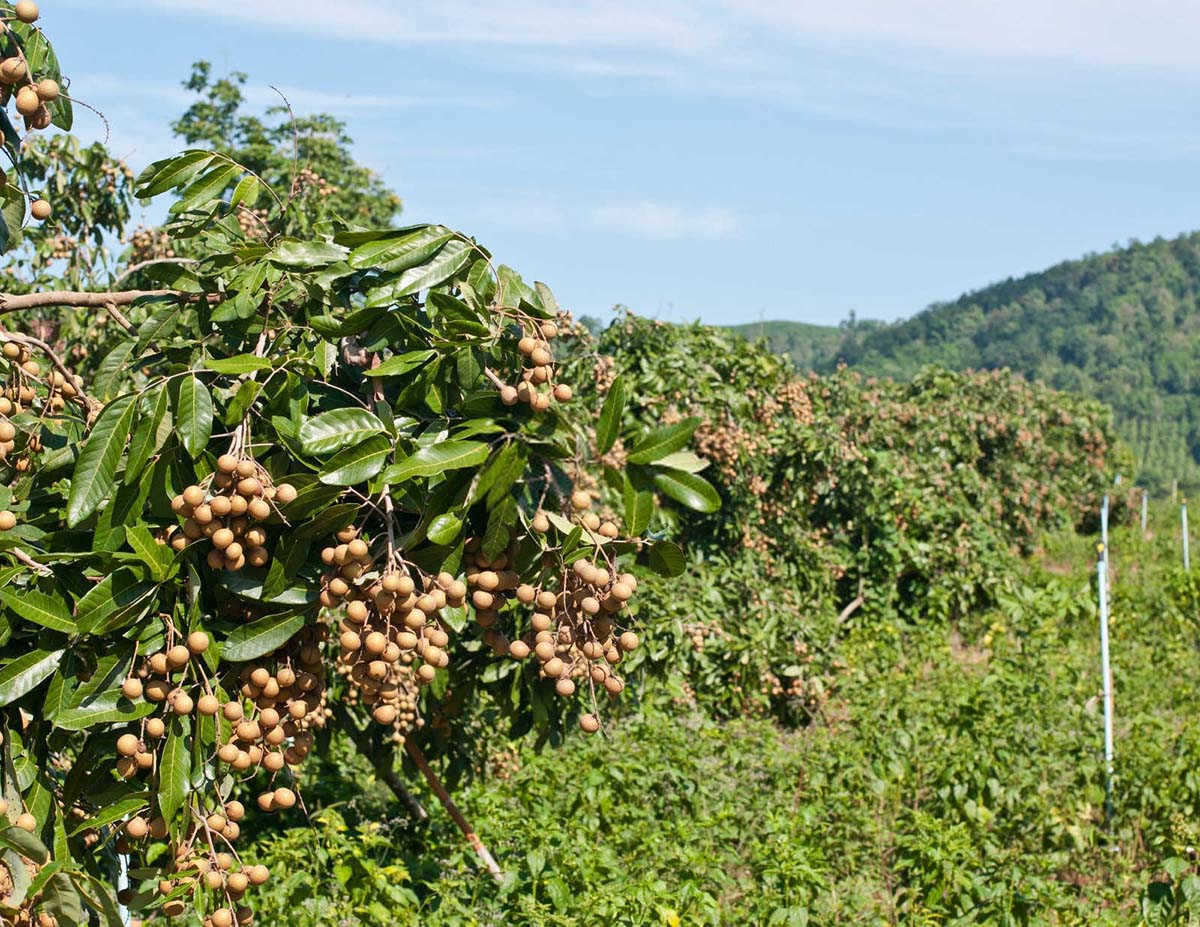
x: 390, y: 636
x: 149, y: 244
x: 23, y: 374
x: 571, y: 632
x: 537, y: 388
x: 240, y: 494
x: 308, y: 179
x: 29, y: 95
x: 27, y: 914
x: 198, y: 864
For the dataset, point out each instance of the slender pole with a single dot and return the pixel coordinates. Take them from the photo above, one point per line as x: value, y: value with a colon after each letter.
x: 1106, y: 671
x: 123, y: 883
x: 1145, y: 505
x: 1187, y: 560
x: 439, y: 790
x: 1104, y: 526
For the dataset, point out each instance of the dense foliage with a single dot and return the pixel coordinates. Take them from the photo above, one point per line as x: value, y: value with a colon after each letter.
x: 1123, y: 327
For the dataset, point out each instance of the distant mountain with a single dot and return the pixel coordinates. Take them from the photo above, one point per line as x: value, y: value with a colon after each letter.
x: 1123, y: 326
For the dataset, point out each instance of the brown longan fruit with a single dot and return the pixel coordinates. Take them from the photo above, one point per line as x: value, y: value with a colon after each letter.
x: 215, y: 559
x: 518, y: 650
x: 220, y: 506
x: 131, y: 688
x: 198, y: 642
x: 156, y: 690
x: 565, y: 687
x: 554, y: 667
x: 128, y: 744
x: 26, y: 10
x: 182, y: 704
x: 12, y: 70
x: 285, y: 494
x: 222, y: 538
x: 259, y: 509
x: 232, y: 711
x: 47, y: 90
x: 137, y: 828
x: 258, y: 875
x: 28, y: 101
x: 548, y: 330
x: 222, y: 917
x: 508, y: 395
x: 235, y: 810
x: 628, y: 641
x: 541, y: 356
x: 589, y: 724
x: 527, y: 345
x: 562, y: 392
x: 178, y: 656
x: 284, y: 798
x: 250, y: 486
x: 155, y: 728
x: 208, y: 704
x: 8, y: 520
x: 7, y: 431
x: 193, y: 495
x: 581, y: 500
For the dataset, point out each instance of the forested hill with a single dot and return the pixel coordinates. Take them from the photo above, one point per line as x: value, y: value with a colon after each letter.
x: 1123, y: 326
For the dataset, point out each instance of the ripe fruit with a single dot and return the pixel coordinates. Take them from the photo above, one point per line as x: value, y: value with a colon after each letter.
x: 26, y: 10
x: 8, y: 520
x: 590, y: 724
x: 47, y: 90
x: 127, y: 744
x: 40, y: 210
x: 28, y: 101
x: 131, y: 688
x: 197, y: 642
x: 285, y: 493
x: 12, y: 70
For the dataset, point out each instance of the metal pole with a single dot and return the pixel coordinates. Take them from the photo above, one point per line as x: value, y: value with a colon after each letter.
x: 1102, y: 585
x: 122, y: 883
x: 1104, y: 527
x: 1145, y: 504
x: 1187, y: 560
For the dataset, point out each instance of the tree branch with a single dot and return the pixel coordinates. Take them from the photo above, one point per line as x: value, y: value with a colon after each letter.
x: 12, y: 303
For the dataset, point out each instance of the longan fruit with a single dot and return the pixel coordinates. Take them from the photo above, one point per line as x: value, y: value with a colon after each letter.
x: 155, y: 728
x: 178, y: 656
x: 8, y: 520
x: 426, y: 673
x: 220, y: 506
x: 208, y: 704
x: 137, y: 828
x: 250, y: 486
x: 541, y: 356
x: 508, y: 395
x: 232, y: 711
x: 193, y: 495
x: 581, y: 500
x: 375, y: 642
x: 28, y: 101
x: 26, y: 10
x: 128, y: 744
x: 215, y: 559
x: 358, y: 549
x: 258, y: 875
x: 222, y: 917
x: 565, y: 688
x: 562, y: 392
x: 554, y: 667
x: 614, y: 685
x: 548, y: 330
x: 47, y: 90
x: 527, y: 345
x: 284, y: 798
x: 258, y: 556
x: 285, y: 493
x: 7, y: 431
x: 182, y: 704
x: 156, y: 690
x: 628, y: 641
x: 259, y: 509
x: 131, y: 688
x: 12, y: 70
x: 589, y: 724
x: 198, y: 642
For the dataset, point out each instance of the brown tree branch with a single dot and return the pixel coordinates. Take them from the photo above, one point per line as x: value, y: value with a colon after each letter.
x: 13, y: 303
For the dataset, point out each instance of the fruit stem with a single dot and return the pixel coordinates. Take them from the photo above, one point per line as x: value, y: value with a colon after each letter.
x: 464, y: 825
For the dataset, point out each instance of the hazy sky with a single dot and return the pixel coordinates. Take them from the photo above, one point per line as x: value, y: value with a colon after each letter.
x: 722, y: 160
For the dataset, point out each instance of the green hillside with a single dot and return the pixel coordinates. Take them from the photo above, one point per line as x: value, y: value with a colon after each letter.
x: 810, y: 346
x: 1123, y: 326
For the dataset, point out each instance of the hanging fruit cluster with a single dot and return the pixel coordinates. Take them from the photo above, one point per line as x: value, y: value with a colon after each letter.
x: 239, y: 495
x: 536, y: 387
x: 391, y: 638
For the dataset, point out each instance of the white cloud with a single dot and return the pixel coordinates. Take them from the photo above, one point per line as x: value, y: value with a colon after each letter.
x: 1151, y: 33
x: 667, y: 221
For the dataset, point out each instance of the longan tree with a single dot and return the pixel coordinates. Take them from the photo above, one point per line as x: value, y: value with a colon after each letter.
x: 315, y: 480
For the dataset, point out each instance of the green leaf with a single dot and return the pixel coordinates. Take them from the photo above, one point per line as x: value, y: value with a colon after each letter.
x: 666, y: 559
x: 158, y: 557
x: 251, y: 641
x: 683, y: 460
x: 149, y: 436
x: 117, y: 811
x: 401, y: 363
x: 26, y: 672
x: 693, y: 491
x: 193, y: 414
x: 110, y: 601
x: 169, y: 173
x: 639, y: 508
x: 205, y: 188
x: 663, y: 441
x: 35, y: 606
x: 108, y: 707
x: 336, y: 429
x: 400, y: 252
x: 291, y: 252
x: 436, y: 458
x: 444, y: 529
x: 357, y: 464
x: 174, y: 770
x: 25, y: 843
x: 247, y: 191
x: 609, y: 425
x: 451, y: 259
x: 239, y: 363
x: 95, y: 471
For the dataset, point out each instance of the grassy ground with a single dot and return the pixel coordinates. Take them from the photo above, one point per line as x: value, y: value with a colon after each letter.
x: 957, y: 779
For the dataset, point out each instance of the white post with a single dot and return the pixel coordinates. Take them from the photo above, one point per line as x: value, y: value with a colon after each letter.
x: 1106, y: 671
x: 1104, y: 526
x: 122, y: 883
x: 1187, y: 560
x: 1145, y: 504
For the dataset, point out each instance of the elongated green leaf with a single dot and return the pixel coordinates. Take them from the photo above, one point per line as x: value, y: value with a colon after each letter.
x: 34, y: 605
x: 444, y: 265
x: 337, y: 428
x: 174, y: 771
x: 426, y: 461
x: 693, y: 491
x: 205, y: 188
x: 401, y: 363
x: 663, y: 441
x: 683, y: 460
x: 193, y: 414
x: 149, y: 435
x: 400, y: 252
x: 357, y: 464
x: 109, y: 707
x: 169, y: 173
x: 247, y: 191
x: 110, y: 601
x: 291, y: 252
x: 23, y: 842
x: 239, y: 363
x: 118, y: 811
x: 25, y: 673
x: 609, y: 425
x: 666, y: 559
x: 261, y: 637
x: 158, y: 557
x: 444, y: 529
x: 95, y: 471
x: 639, y: 507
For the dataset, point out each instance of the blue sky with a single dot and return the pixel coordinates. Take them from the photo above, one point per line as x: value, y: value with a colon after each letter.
x: 727, y: 160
